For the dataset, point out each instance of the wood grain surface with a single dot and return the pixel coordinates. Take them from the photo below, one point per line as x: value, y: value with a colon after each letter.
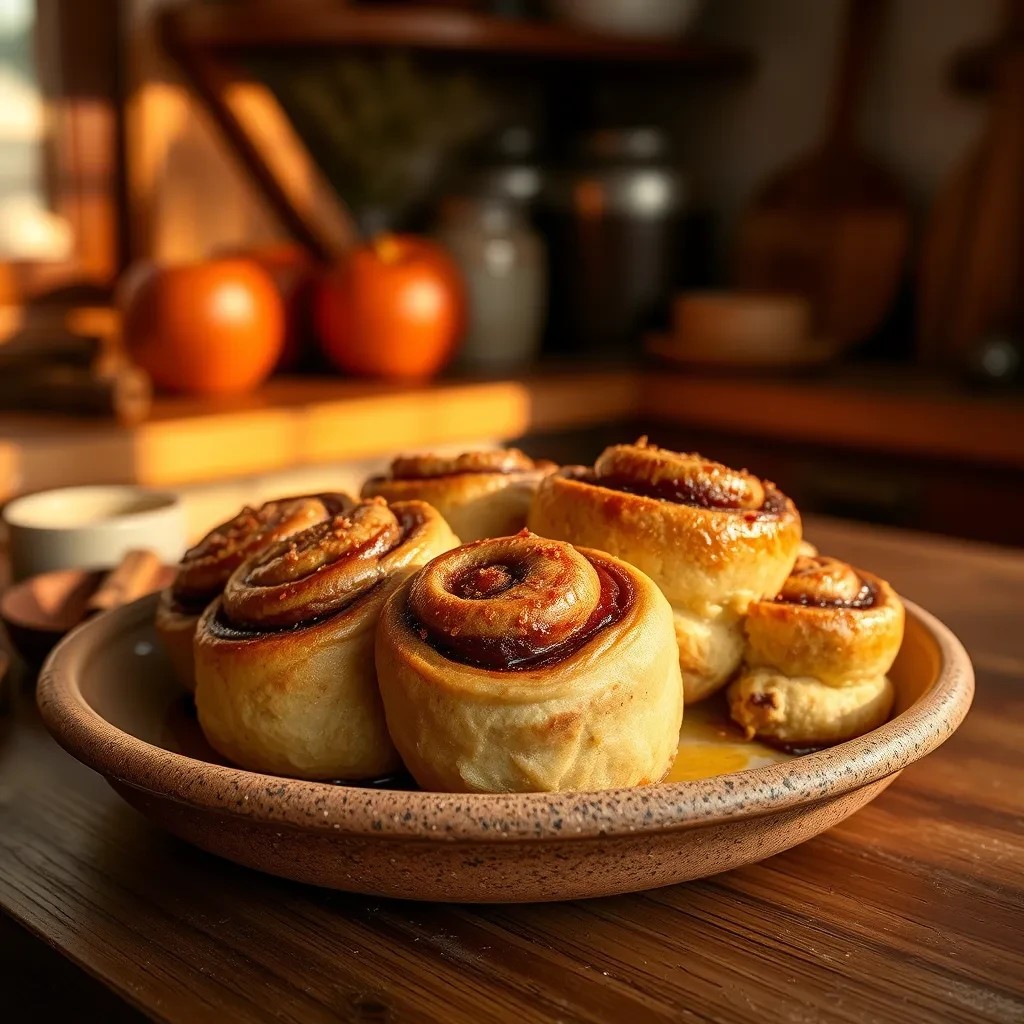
x: 314, y: 421
x: 912, y: 910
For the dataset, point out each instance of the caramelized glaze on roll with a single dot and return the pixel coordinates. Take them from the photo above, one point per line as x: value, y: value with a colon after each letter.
x: 524, y: 664
x: 713, y: 539
x: 481, y: 494
x: 206, y: 568
x: 817, y: 656
x: 285, y: 678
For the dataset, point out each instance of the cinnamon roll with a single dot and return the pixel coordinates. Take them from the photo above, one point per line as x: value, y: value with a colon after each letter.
x: 521, y: 664
x: 285, y: 678
x: 481, y: 494
x: 713, y: 538
x: 206, y: 567
x: 817, y: 657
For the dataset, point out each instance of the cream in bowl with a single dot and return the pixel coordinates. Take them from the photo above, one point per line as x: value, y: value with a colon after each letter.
x: 91, y: 527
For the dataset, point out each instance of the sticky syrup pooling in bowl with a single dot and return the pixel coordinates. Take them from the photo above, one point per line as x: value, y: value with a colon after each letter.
x: 709, y: 745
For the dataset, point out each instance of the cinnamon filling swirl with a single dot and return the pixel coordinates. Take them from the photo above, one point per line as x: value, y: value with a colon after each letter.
x: 683, y: 479
x: 821, y: 581
x: 515, y: 603
x: 206, y: 568
x: 321, y: 572
x: 425, y: 467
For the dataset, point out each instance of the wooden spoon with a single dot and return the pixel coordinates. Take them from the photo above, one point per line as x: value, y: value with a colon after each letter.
x: 834, y: 226
x: 134, y: 577
x: 972, y: 269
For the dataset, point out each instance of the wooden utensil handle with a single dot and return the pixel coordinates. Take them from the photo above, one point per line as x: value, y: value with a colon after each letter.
x: 976, y: 68
x: 124, y: 392
x: 5, y: 691
x: 1013, y: 21
x: 35, y: 348
x: 131, y: 579
x: 990, y: 272
x: 863, y: 21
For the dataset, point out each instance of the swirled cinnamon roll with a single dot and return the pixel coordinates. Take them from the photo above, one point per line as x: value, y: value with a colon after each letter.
x: 206, y: 568
x: 481, y: 494
x: 285, y: 678
x: 817, y: 656
x: 713, y: 538
x: 522, y: 664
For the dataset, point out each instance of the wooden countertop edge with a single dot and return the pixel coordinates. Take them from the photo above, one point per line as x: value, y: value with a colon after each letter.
x: 295, y: 422
x: 943, y: 426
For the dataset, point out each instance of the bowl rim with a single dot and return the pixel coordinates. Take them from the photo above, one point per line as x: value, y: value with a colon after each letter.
x: 17, y: 512
x: 483, y: 817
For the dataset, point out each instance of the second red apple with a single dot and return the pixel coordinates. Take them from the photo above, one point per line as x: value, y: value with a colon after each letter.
x: 395, y: 307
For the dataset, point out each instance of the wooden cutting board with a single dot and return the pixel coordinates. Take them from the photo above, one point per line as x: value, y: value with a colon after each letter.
x: 971, y: 279
x: 833, y: 226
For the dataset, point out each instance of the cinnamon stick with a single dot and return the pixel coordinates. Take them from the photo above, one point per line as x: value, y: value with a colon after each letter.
x: 132, y: 578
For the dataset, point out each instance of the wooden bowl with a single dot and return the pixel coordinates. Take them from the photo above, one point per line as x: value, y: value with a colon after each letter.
x: 40, y: 610
x: 107, y: 694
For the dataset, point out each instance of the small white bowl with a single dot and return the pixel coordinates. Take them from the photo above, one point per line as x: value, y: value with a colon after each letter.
x: 91, y: 527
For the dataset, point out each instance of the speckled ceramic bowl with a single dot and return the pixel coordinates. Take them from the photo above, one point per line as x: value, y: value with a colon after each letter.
x: 107, y: 694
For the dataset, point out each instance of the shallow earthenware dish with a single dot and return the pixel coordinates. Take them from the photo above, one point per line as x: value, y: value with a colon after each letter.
x: 107, y: 694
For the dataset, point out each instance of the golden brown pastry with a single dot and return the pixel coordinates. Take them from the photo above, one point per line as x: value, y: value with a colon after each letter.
x: 481, y: 494
x: 522, y: 665
x: 713, y: 538
x: 817, y: 657
x: 285, y: 678
x: 206, y: 568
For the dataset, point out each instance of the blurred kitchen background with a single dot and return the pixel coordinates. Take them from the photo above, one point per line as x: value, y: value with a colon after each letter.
x: 251, y: 247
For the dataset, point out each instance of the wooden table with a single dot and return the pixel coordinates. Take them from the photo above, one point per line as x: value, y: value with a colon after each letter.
x: 913, y: 910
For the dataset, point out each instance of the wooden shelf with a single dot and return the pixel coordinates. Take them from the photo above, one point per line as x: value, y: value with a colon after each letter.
x: 297, y: 422
x: 274, y: 25
x: 888, y: 413
x: 208, y: 39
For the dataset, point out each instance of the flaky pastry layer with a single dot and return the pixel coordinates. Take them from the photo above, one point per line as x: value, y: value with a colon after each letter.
x: 839, y: 646
x: 477, y: 493
x: 176, y: 629
x: 801, y: 711
x: 710, y: 563
x: 302, y: 700
x: 816, y: 673
x: 607, y: 715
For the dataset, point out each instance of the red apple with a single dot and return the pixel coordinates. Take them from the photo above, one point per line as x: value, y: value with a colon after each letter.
x: 394, y: 307
x: 214, y: 327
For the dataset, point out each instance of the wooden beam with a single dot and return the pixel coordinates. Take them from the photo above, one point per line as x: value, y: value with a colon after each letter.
x: 273, y: 24
x: 270, y: 150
